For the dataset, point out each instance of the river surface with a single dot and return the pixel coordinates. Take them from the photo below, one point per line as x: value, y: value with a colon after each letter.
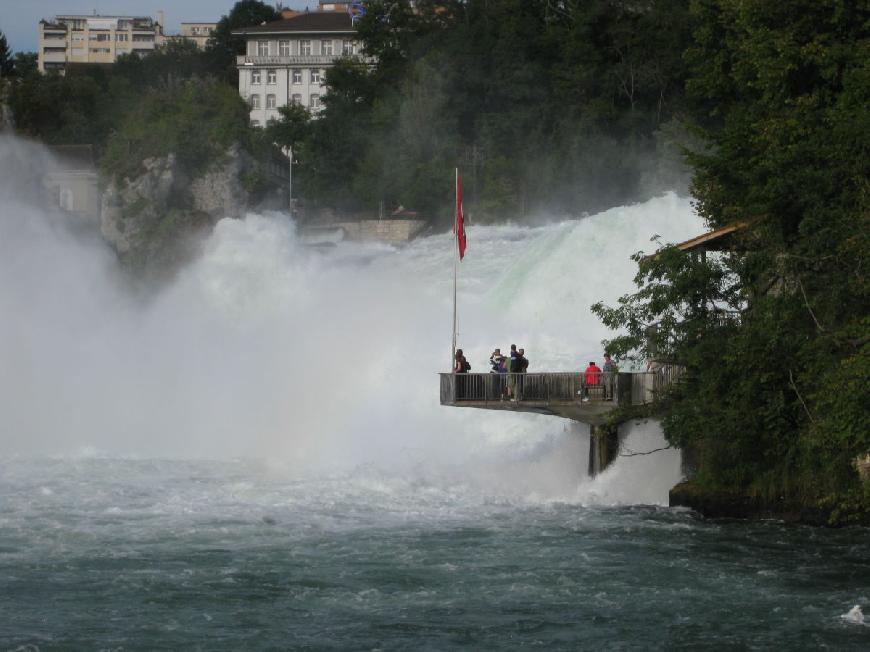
x: 253, y: 456
x: 156, y: 554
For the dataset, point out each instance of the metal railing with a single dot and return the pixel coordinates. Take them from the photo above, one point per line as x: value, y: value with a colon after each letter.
x: 557, y: 387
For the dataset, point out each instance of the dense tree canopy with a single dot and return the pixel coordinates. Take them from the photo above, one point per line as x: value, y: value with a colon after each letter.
x: 7, y: 64
x: 547, y: 106
x: 774, y: 334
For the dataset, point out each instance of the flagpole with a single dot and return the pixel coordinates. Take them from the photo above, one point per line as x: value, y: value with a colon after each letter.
x: 455, y: 259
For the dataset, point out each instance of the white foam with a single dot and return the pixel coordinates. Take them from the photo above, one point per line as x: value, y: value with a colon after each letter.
x: 854, y: 616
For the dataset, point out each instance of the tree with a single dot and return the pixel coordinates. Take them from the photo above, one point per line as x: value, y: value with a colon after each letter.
x: 25, y: 64
x: 197, y: 120
x: 6, y: 62
x: 775, y: 337
x: 223, y: 47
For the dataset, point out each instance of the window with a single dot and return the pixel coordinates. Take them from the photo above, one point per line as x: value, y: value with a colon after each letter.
x: 296, y: 98
x: 255, y: 123
x: 122, y: 37
x: 263, y: 48
x: 270, y: 101
x: 66, y: 199
x: 284, y: 48
x: 327, y: 48
x: 252, y: 48
x: 271, y: 77
x: 255, y: 101
x: 315, y: 101
x: 347, y: 47
x: 255, y: 77
x: 315, y: 76
x: 305, y: 47
x: 297, y: 76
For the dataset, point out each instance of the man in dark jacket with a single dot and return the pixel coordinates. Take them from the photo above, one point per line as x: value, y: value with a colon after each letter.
x: 608, y: 376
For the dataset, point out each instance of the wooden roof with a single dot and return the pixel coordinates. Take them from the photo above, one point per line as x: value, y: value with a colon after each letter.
x: 718, y: 240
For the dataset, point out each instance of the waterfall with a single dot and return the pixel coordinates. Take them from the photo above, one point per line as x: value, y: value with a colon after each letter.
x: 313, y: 359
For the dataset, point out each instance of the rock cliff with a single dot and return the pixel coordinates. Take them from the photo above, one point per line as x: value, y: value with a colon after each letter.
x: 149, y: 219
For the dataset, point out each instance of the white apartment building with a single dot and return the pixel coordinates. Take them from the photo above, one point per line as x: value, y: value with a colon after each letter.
x: 199, y: 33
x: 95, y: 39
x: 286, y: 61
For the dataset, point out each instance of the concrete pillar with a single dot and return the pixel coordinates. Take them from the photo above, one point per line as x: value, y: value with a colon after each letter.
x: 603, y: 448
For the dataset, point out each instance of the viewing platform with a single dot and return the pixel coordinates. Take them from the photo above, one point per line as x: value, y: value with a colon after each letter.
x: 559, y: 394
x: 565, y: 395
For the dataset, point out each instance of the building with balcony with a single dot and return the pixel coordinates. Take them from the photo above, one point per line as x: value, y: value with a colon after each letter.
x: 199, y: 33
x: 95, y: 39
x: 286, y: 61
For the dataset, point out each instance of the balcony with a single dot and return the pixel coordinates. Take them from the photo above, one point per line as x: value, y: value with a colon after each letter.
x: 294, y: 60
x: 54, y: 56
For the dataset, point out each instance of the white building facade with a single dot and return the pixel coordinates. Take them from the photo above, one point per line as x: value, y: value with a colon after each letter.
x: 286, y: 61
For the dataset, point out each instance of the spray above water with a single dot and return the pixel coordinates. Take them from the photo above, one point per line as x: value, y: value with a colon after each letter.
x: 318, y: 360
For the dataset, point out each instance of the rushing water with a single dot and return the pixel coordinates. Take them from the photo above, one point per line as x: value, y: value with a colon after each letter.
x: 255, y: 457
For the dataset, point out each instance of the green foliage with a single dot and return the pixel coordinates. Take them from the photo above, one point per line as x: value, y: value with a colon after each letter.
x: 62, y: 110
x: 25, y: 64
x: 140, y: 107
x: 88, y: 103
x: 542, y: 105
x: 774, y: 337
x: 7, y: 63
x: 197, y: 121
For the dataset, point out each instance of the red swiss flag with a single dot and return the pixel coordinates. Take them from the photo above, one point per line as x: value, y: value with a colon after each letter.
x: 459, y: 224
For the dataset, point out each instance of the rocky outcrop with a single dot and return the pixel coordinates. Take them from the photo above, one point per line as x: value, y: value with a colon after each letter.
x: 221, y: 192
x: 724, y: 504
x: 147, y: 218
x: 132, y: 208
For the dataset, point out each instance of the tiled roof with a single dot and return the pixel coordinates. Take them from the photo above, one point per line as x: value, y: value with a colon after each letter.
x: 314, y: 21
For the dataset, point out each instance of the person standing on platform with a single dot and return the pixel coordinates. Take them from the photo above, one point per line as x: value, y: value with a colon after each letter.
x: 522, y: 365
x: 592, y: 378
x: 513, y: 369
x: 608, y: 376
x: 460, y: 369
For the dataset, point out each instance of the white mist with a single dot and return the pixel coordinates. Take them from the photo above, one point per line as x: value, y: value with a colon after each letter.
x: 315, y: 360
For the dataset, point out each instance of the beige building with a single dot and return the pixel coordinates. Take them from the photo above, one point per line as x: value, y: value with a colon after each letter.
x: 199, y: 33
x: 287, y: 60
x: 95, y: 39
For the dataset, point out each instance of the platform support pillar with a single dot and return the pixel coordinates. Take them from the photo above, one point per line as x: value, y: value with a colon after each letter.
x: 603, y: 447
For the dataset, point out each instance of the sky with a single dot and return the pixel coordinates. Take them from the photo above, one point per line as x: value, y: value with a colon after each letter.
x: 19, y: 18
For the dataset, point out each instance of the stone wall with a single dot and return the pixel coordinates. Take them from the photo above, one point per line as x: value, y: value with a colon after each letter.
x: 392, y: 231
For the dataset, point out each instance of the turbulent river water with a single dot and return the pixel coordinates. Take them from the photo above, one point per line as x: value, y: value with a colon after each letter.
x: 255, y: 458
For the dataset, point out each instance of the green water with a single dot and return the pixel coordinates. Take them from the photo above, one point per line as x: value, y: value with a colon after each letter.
x: 149, y: 554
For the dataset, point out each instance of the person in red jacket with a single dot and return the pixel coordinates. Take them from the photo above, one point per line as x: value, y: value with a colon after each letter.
x: 592, y: 379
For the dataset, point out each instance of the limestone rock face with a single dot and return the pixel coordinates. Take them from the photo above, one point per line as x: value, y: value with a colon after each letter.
x: 130, y: 208
x: 220, y: 192
x: 148, y: 218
